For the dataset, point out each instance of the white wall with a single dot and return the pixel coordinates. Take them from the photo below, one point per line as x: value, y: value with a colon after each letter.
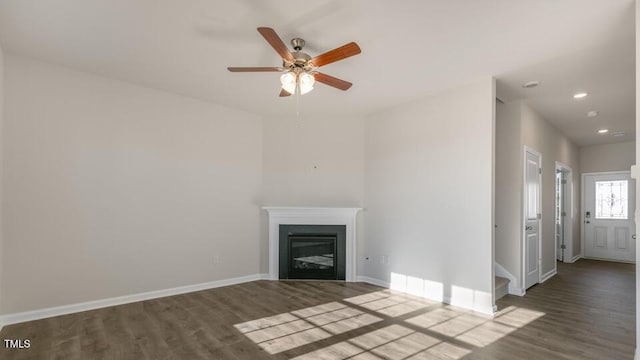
x: 113, y: 189
x: 540, y: 135
x: 608, y: 157
x: 428, y: 197
x: 312, y: 161
x: 509, y: 154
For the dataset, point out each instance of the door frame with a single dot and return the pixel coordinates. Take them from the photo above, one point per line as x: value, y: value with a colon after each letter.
x: 523, y: 233
x: 567, y: 196
x: 582, y: 190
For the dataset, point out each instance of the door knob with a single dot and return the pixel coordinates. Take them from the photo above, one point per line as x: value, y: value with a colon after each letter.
x: 633, y: 236
x: 529, y: 228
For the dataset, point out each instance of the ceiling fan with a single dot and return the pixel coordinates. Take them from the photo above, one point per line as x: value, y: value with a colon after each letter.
x: 300, y: 69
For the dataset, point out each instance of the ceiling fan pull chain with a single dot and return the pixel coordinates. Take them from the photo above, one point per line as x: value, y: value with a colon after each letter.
x: 297, y: 100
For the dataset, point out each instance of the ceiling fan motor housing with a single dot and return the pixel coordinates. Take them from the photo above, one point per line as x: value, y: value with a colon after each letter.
x: 300, y: 58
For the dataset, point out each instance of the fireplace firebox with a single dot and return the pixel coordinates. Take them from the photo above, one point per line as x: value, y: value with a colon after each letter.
x: 312, y: 252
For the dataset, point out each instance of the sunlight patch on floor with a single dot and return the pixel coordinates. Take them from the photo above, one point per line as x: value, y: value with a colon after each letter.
x: 443, y: 332
x: 393, y: 342
x: 277, y: 331
x: 442, y: 351
x: 294, y: 340
x: 517, y: 317
x: 265, y: 322
x: 284, y: 332
x: 406, y: 346
x: 433, y: 317
x: 391, y: 303
x: 475, y: 329
x: 486, y: 334
x: 317, y: 310
x: 458, y: 325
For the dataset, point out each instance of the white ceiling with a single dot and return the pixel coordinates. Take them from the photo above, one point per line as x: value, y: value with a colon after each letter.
x: 409, y: 49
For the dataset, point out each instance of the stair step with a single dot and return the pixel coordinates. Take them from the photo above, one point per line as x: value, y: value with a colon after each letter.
x: 502, y: 287
x: 500, y: 282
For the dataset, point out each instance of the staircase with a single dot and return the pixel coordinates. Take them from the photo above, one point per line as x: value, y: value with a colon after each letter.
x: 502, y: 287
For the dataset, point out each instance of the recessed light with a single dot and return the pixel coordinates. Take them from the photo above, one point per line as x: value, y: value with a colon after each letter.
x: 580, y: 95
x: 531, y: 84
x: 617, y: 133
x: 593, y: 113
x: 603, y: 131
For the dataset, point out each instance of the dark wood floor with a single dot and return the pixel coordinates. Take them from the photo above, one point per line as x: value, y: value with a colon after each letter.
x: 587, y: 311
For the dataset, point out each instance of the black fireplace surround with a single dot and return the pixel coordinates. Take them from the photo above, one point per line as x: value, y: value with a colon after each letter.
x: 312, y: 252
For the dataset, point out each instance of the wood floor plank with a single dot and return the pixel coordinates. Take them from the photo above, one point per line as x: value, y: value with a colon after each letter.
x: 587, y: 311
x: 147, y: 335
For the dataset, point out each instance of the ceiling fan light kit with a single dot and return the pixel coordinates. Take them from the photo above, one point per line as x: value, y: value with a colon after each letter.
x: 301, y: 69
x: 305, y: 82
x: 288, y: 81
x: 297, y: 79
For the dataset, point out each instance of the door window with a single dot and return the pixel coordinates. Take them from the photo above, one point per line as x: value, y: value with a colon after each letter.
x: 612, y: 199
x: 533, y: 188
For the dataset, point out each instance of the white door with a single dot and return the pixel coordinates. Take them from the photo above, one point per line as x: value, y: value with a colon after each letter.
x: 609, y: 206
x: 560, y: 213
x: 532, y: 215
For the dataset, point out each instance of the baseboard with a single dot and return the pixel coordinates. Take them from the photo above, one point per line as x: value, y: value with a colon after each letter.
x: 517, y: 291
x: 373, y: 281
x: 15, y: 318
x: 575, y: 258
x: 609, y: 260
x: 548, y: 275
x: 488, y: 310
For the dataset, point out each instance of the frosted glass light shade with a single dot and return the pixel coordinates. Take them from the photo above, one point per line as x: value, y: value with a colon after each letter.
x: 306, y: 83
x: 288, y: 81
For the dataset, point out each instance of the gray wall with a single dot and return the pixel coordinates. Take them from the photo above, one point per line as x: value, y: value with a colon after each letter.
x: 312, y: 161
x: 608, y: 157
x: 114, y: 189
x: 540, y: 135
x: 428, y: 195
x: 519, y: 126
x: 509, y: 157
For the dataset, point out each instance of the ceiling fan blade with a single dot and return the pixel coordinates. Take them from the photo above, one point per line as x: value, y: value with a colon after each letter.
x: 253, y: 69
x: 337, y: 54
x: 332, y: 81
x: 276, y: 43
x: 284, y: 93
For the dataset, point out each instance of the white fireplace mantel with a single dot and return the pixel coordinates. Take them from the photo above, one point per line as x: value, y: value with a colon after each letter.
x: 312, y: 216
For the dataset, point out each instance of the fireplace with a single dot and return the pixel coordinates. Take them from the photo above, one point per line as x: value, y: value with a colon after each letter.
x: 310, y: 216
x: 312, y: 252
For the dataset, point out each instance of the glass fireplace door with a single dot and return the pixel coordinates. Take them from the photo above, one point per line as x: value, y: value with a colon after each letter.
x: 312, y: 256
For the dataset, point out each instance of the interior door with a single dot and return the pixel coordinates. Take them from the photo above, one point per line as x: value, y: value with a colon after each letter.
x: 609, y: 206
x: 559, y: 214
x: 532, y: 180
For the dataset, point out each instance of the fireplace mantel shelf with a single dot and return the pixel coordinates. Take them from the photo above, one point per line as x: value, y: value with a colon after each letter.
x: 287, y: 215
x: 292, y: 210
